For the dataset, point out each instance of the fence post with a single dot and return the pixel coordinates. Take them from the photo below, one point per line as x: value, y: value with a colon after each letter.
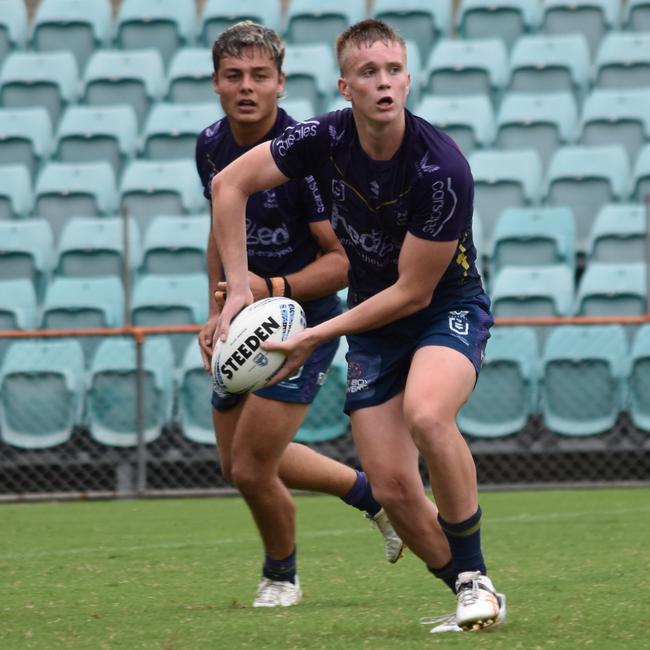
x: 141, y: 480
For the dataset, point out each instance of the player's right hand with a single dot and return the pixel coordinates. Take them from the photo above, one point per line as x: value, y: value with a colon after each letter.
x: 235, y: 302
x: 206, y: 338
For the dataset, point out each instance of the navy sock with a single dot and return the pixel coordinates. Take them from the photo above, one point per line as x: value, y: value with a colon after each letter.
x: 465, y: 543
x: 360, y: 495
x: 280, y: 570
x: 447, y: 574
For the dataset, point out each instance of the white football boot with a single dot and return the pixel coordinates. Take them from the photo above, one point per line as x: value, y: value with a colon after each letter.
x: 393, y: 545
x: 277, y: 593
x: 478, y: 605
x: 447, y: 622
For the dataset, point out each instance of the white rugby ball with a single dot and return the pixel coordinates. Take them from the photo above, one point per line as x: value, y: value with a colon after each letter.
x: 239, y: 364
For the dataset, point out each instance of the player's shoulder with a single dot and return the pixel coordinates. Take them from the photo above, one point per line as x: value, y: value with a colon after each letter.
x: 212, y: 133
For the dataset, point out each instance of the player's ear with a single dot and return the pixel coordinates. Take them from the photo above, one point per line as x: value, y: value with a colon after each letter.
x: 215, y: 82
x: 281, y: 81
x: 344, y: 89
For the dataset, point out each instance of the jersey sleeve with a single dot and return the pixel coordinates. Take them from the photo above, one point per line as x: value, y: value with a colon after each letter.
x: 200, y: 158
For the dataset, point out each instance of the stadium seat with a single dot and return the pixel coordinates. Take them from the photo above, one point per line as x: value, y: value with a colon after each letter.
x: 177, y: 243
x: 617, y: 117
x: 583, y: 370
x: 639, y: 379
x: 163, y: 25
x: 25, y: 137
x: 74, y: 189
x: 218, y: 15
x: 637, y: 15
x: 542, y: 64
x: 504, y: 19
x: 592, y: 18
x: 26, y: 251
x: 468, y: 120
x: 585, y: 179
x: 190, y: 77
x: 171, y: 130
x: 533, y: 291
x: 306, y: 23
x: 13, y: 26
x: 310, y: 74
x: 618, y: 234
x: 48, y: 79
x: 420, y: 21
x: 641, y: 176
x: 533, y: 236
x: 504, y: 179
x: 97, y: 133
x: 135, y: 77
x: 458, y: 67
x: 194, y: 391
x: 623, y: 61
x: 325, y: 419
x: 95, y: 248
x: 300, y: 109
x: 612, y: 290
x: 41, y: 393
x: 16, y: 198
x: 505, y: 395
x: 112, y: 393
x: 151, y: 188
x: 414, y: 65
x: 18, y: 304
x: 78, y: 26
x: 543, y: 122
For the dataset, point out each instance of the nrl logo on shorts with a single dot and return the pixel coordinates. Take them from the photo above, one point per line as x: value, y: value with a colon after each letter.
x: 458, y: 322
x: 261, y: 359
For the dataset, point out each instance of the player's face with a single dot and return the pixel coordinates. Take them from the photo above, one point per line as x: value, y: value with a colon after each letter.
x: 375, y: 80
x: 248, y: 86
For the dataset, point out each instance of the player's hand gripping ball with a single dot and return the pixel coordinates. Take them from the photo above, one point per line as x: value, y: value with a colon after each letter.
x: 239, y: 364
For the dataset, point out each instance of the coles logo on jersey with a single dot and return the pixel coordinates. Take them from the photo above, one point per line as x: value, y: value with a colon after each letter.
x: 458, y: 322
x: 442, y: 194
x: 293, y: 134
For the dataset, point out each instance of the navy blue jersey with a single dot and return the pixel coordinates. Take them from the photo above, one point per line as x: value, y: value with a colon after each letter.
x: 426, y: 189
x: 278, y: 238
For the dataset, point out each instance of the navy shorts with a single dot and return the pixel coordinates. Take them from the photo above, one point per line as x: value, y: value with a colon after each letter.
x: 379, y: 360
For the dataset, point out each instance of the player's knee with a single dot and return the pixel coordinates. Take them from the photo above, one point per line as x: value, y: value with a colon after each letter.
x: 393, y: 490
x: 244, y: 476
x: 431, y: 428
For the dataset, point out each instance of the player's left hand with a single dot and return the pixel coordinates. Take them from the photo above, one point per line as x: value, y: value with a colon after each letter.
x: 298, y: 349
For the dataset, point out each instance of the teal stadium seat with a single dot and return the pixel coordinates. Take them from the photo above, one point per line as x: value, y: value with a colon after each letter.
x: 79, y: 26
x: 41, y: 393
x: 534, y: 236
x: 617, y: 117
x: 504, y: 19
x: 111, y: 395
x: 504, y: 179
x: 414, y: 65
x: 585, y: 179
x: 623, y: 61
x: 506, y: 393
x: 307, y: 22
x: 16, y: 197
x: 18, y: 305
x: 612, y: 290
x: 194, y: 392
x: 97, y: 133
x: 218, y: 15
x: 584, y: 368
x: 641, y: 176
x: 13, y: 26
x: 177, y: 243
x: 94, y: 247
x: 533, y: 291
x: 311, y: 74
x: 419, y: 21
x: 300, y: 109
x: 163, y: 25
x: 468, y: 120
x: 134, y: 77
x: 543, y: 122
x: 75, y: 189
x: 637, y: 15
x: 26, y: 251
x: 190, y: 77
x: 171, y: 130
x: 48, y: 79
x: 25, y: 137
x: 325, y: 419
x: 458, y: 67
x: 639, y: 380
x: 592, y: 18
x: 543, y: 64
x: 618, y: 234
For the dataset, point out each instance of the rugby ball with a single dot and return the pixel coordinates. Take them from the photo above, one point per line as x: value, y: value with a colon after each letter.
x: 239, y: 364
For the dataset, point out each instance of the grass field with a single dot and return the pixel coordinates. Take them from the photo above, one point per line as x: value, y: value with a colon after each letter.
x: 180, y: 574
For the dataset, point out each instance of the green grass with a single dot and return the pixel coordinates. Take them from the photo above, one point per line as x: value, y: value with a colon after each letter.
x: 181, y: 574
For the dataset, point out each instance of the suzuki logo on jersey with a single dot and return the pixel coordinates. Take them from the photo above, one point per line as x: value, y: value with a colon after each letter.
x: 458, y: 323
x: 293, y: 134
x: 266, y: 236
